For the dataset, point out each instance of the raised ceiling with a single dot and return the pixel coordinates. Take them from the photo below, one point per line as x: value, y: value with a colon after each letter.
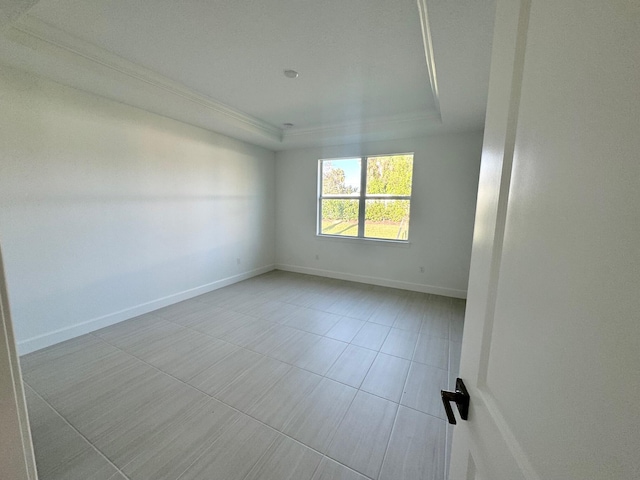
x: 369, y: 69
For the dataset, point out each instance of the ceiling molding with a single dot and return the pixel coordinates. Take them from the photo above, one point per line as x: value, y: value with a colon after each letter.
x: 80, y: 64
x: 428, y: 50
x: 44, y: 32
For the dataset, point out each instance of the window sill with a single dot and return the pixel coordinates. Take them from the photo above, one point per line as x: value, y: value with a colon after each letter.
x: 366, y: 241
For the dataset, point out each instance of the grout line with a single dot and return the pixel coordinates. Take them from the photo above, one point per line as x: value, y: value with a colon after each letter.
x: 77, y: 431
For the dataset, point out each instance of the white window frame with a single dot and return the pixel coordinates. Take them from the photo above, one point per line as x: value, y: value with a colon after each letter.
x: 362, y: 198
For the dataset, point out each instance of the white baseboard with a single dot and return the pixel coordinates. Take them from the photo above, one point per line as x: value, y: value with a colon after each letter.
x: 51, y: 338
x: 383, y: 282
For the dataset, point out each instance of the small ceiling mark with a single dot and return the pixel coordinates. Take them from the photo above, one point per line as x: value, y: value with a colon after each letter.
x: 291, y: 74
x: 287, y: 125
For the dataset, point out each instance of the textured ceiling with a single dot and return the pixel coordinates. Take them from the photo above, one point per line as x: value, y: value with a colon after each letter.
x: 362, y: 63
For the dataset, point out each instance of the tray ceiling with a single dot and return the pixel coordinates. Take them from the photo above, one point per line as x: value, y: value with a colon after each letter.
x: 368, y: 69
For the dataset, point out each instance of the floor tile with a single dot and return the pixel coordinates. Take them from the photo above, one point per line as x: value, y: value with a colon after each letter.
x: 247, y: 334
x: 345, y: 329
x: 272, y: 339
x: 416, y: 449
x: 286, y: 459
x: 422, y: 390
x: 234, y: 453
x: 315, y: 419
x: 321, y: 355
x: 362, y: 437
x: 400, y: 343
x: 180, y: 309
x: 432, y: 351
x: 409, y: 320
x: 386, y: 377
x: 248, y: 388
x: 226, y: 321
x: 294, y: 347
x: 60, y: 451
x: 331, y: 470
x: 352, y: 366
x: 456, y: 325
x: 190, y: 355
x: 276, y: 407
x: 273, y: 311
x: 165, y: 454
x: 255, y: 345
x: 217, y: 377
x: 371, y: 336
x: 313, y: 321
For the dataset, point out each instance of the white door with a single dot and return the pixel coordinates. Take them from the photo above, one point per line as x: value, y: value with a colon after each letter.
x: 16, y: 450
x: 551, y: 349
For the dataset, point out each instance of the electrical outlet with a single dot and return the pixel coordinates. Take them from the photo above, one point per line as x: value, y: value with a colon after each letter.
x: 421, y: 269
x: 238, y: 261
x: 317, y: 257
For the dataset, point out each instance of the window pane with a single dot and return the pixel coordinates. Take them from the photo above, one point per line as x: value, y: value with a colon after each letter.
x: 340, y: 217
x: 388, y: 219
x: 390, y: 175
x: 341, y: 177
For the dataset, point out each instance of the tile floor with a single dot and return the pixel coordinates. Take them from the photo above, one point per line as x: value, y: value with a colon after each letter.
x: 283, y: 376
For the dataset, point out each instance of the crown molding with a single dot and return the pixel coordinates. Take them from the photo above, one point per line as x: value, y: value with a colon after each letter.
x: 428, y: 51
x: 59, y: 39
x: 54, y: 53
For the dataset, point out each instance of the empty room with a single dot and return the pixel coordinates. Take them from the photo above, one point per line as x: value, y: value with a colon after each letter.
x: 330, y: 240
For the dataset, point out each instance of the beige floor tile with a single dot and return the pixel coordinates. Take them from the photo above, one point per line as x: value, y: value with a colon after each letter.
x: 225, y: 322
x: 217, y: 377
x: 207, y: 313
x: 276, y: 406
x: 248, y: 333
x: 422, y: 390
x: 416, y: 449
x: 190, y: 355
x: 180, y: 309
x: 273, y: 311
x: 321, y: 355
x: 362, y: 437
x: 41, y: 359
x: 166, y: 454
x: 60, y: 451
x: 371, y: 335
x: 400, y: 343
x: 286, y: 459
x: 352, y: 366
x: 432, y: 351
x: 437, y: 317
x: 315, y: 419
x: 409, y: 320
x: 345, y: 329
x: 386, y: 377
x: 294, y: 347
x: 110, y: 386
x: 272, y: 339
x: 312, y: 321
x: 234, y: 453
x: 456, y: 325
x: 121, y: 432
x: 248, y: 388
x: 331, y: 470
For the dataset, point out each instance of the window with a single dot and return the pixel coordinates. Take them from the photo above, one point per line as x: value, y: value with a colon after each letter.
x: 367, y: 197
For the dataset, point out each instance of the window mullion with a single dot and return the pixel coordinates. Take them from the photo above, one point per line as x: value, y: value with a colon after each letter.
x: 363, y: 192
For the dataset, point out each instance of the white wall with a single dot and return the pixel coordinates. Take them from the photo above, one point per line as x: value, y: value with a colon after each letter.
x: 442, y: 213
x: 107, y: 211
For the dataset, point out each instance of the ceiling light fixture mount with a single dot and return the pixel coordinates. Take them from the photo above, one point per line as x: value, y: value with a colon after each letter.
x: 291, y: 74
